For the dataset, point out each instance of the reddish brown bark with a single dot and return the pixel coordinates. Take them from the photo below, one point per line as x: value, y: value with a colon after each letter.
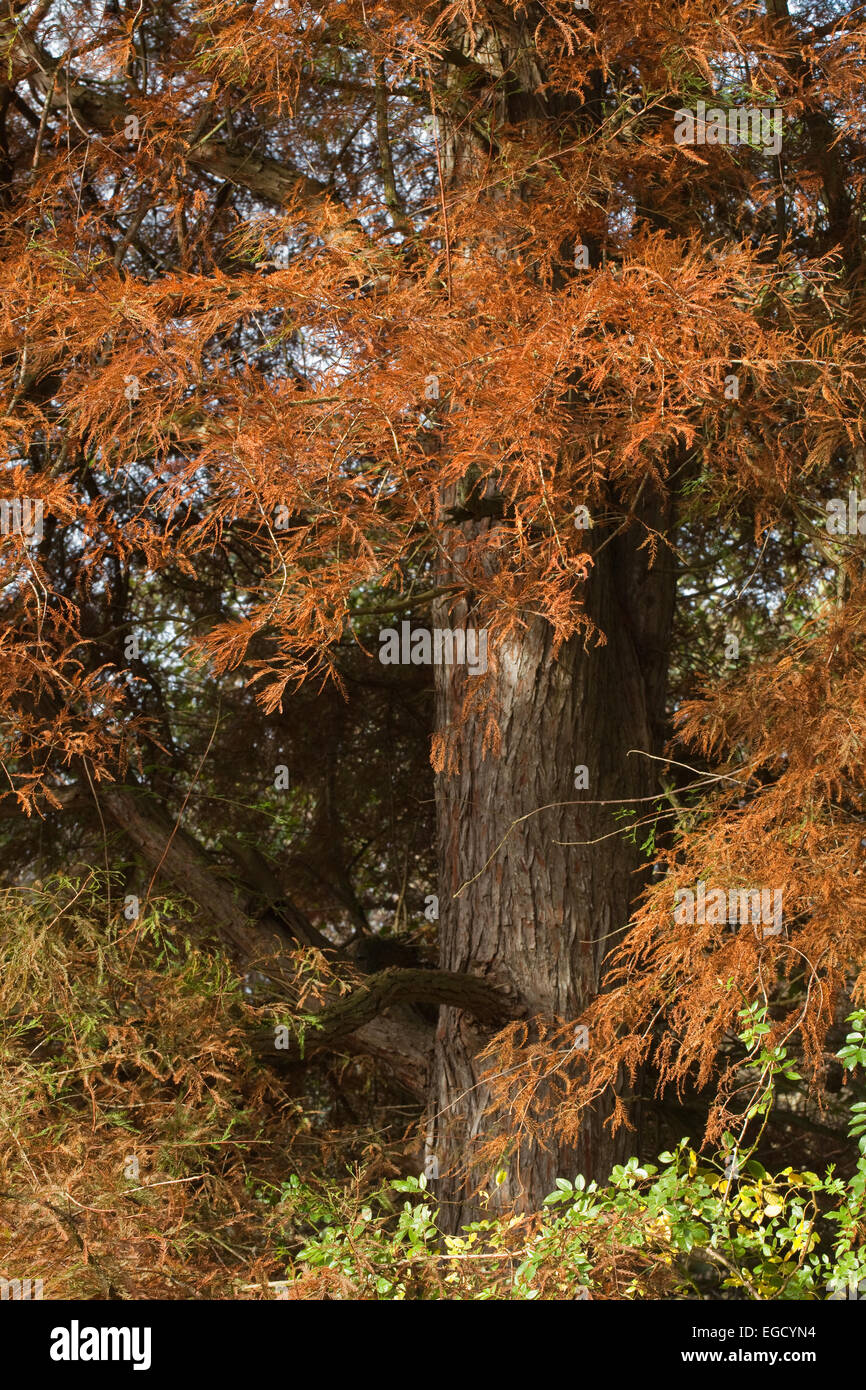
x: 537, y: 916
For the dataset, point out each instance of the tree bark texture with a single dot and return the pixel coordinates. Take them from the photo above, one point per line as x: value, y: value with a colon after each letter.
x: 520, y: 905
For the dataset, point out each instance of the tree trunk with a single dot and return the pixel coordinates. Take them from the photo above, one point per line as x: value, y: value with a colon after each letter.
x: 538, y: 917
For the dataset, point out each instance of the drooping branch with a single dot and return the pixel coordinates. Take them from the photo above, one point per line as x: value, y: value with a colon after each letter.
x: 402, y: 1042
x: 174, y: 855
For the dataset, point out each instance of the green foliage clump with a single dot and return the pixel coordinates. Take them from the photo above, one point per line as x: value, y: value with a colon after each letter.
x: 685, y: 1228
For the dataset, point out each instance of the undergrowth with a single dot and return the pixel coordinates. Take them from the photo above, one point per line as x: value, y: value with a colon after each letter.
x: 145, y: 1152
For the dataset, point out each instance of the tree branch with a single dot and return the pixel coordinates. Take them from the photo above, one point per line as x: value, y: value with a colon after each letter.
x: 354, y: 1022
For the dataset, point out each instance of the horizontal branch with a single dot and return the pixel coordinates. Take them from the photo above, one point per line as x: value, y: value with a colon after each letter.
x: 383, y: 991
x: 408, y: 600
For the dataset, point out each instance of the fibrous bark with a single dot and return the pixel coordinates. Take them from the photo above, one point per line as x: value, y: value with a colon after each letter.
x: 537, y: 916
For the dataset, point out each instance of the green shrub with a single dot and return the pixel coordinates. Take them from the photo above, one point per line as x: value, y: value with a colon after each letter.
x: 685, y: 1228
